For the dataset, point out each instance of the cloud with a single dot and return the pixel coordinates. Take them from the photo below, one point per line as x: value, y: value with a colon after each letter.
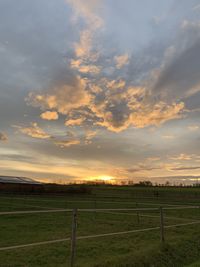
x: 132, y: 107
x: 121, y: 60
x: 142, y: 168
x: 178, y: 77
x: 93, y: 69
x: 93, y: 98
x: 117, y: 92
x: 67, y: 143
x: 182, y: 157
x: 87, y: 10
x: 197, y: 7
x: 116, y: 84
x: 168, y: 136
x: 89, y: 136
x: 84, y: 47
x: 85, y: 53
x: 154, y: 159
x: 34, y: 131
x: 74, y: 122
x: 157, y: 114
x: 49, y: 115
x: 193, y: 127
x: 115, y: 109
x: 3, y: 137
x: 62, y: 98
x: 186, y: 168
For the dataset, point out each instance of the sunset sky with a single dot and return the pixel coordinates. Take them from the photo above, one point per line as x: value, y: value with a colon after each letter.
x: 100, y: 89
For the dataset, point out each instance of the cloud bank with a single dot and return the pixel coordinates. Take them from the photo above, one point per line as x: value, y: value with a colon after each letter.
x: 98, y: 99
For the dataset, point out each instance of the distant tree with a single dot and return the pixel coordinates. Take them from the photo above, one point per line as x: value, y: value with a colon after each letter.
x: 130, y: 182
x: 144, y: 183
x: 167, y: 183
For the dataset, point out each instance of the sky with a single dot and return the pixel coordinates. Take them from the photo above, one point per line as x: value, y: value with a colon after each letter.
x: 100, y: 90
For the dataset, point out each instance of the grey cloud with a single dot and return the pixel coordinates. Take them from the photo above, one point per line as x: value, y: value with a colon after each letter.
x: 142, y: 168
x: 46, y: 177
x: 179, y: 74
x: 22, y: 158
x: 186, y: 168
x: 182, y: 74
x: 34, y: 43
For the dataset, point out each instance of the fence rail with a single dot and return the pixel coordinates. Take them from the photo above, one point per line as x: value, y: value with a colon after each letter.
x: 147, y: 215
x: 95, y: 210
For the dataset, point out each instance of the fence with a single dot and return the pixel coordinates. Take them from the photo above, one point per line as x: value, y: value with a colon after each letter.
x: 73, y: 239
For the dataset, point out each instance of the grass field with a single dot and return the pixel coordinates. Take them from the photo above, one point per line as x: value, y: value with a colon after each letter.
x: 181, y: 246
x: 196, y: 264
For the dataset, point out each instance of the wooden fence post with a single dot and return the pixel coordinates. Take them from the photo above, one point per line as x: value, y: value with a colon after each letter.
x: 138, y: 214
x: 162, y: 237
x: 95, y: 206
x: 73, y: 237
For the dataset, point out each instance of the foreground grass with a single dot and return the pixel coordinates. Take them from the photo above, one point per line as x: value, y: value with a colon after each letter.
x: 138, y: 250
x: 196, y: 264
x: 133, y: 250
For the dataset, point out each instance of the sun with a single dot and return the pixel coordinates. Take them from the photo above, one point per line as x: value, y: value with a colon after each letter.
x: 105, y: 178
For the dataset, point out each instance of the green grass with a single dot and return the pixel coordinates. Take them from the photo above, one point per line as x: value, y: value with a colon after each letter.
x: 196, y: 264
x: 143, y: 249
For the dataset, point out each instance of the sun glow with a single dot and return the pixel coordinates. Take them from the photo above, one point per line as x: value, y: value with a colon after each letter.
x: 104, y: 178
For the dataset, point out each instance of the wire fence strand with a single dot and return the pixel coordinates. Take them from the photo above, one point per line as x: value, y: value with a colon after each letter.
x: 95, y: 236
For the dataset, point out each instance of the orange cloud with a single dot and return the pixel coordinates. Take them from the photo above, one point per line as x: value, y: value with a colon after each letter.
x: 121, y: 60
x: 168, y: 136
x: 182, y: 157
x: 157, y: 114
x: 74, y: 122
x: 154, y: 159
x: 34, y: 131
x: 77, y: 64
x: 133, y: 107
x: 114, y: 85
x: 98, y: 101
x: 119, y: 107
x: 63, y: 99
x: 88, y: 10
x: 86, y: 55
x: 49, y: 115
x: 89, y: 136
x: 67, y: 143
x: 3, y: 137
x: 84, y: 47
x: 115, y: 109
